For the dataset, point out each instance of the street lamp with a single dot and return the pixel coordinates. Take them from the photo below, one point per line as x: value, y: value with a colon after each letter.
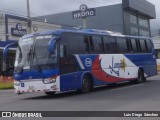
x: 45, y: 20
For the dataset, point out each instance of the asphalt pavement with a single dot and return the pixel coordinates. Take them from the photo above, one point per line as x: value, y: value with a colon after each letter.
x: 121, y: 97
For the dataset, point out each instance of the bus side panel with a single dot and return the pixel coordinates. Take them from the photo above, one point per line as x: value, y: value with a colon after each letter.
x: 112, y: 68
x: 98, y: 82
x: 146, y: 61
x: 70, y: 81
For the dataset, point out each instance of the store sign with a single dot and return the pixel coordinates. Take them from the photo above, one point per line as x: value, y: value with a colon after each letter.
x: 83, y: 12
x: 18, y: 31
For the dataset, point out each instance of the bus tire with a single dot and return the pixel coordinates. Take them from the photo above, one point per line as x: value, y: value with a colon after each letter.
x: 50, y: 93
x: 87, y: 84
x: 141, y: 77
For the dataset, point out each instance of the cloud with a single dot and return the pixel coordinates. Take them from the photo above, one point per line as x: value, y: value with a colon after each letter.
x: 45, y: 7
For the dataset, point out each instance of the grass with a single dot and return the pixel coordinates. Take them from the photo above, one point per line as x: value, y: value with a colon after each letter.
x: 7, y: 85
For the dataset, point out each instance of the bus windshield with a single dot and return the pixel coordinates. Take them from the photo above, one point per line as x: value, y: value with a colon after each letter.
x: 33, y: 53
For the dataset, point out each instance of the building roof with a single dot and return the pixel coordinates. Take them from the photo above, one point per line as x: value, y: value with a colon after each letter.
x: 7, y: 42
x: 141, y: 6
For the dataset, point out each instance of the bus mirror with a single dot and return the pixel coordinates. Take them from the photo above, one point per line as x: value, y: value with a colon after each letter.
x: 6, y: 49
x: 52, y: 45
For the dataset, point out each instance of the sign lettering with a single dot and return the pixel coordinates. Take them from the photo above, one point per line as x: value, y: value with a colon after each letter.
x: 18, y: 31
x: 83, y: 12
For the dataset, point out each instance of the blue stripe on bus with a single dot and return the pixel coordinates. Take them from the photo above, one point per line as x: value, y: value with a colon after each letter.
x: 36, y: 74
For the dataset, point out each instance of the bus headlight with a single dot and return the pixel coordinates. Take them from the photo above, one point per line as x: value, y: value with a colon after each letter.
x: 48, y: 81
x: 16, y: 83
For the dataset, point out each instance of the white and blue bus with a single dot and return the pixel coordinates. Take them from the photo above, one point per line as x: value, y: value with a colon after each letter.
x: 65, y: 60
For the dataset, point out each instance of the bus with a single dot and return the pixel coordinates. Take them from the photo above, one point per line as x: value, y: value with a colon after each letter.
x: 65, y: 60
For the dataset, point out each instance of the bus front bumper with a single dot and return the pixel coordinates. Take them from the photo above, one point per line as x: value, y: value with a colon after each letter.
x: 36, y: 85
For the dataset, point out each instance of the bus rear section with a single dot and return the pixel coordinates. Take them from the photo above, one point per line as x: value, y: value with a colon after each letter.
x: 89, y: 60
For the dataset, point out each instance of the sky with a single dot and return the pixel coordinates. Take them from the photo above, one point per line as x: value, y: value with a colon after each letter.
x: 45, y: 7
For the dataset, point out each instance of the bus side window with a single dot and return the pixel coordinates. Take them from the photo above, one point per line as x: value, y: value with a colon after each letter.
x: 70, y: 45
x: 110, y: 45
x: 143, y: 45
x: 91, y: 44
x: 97, y: 45
x: 86, y: 44
x: 63, y: 50
x: 138, y: 46
x: 63, y: 54
x: 122, y: 45
x: 134, y: 46
x: 129, y: 46
x: 149, y: 46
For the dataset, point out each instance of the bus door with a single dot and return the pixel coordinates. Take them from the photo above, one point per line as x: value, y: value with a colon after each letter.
x: 68, y: 70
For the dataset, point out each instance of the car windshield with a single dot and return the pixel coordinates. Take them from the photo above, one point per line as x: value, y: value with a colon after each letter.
x: 33, y: 53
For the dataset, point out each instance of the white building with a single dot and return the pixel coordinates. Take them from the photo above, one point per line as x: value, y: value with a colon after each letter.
x: 12, y: 28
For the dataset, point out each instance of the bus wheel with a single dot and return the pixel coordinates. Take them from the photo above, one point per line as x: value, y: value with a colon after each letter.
x: 50, y: 93
x: 141, y: 77
x: 86, y: 84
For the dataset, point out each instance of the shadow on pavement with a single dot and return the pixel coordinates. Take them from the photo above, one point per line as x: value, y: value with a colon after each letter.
x: 77, y: 93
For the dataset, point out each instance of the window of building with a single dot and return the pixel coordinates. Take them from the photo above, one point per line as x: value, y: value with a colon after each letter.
x: 134, y: 31
x: 144, y: 32
x: 133, y: 18
x: 143, y: 21
x: 110, y: 45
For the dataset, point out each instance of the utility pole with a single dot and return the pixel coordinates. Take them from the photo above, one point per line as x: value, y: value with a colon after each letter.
x: 84, y: 23
x: 29, y: 17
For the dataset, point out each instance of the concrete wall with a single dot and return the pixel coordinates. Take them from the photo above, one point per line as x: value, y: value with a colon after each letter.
x: 142, y: 6
x: 107, y: 18
x: 9, y: 22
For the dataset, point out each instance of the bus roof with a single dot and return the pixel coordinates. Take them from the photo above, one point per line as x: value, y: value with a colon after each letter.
x: 84, y: 31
